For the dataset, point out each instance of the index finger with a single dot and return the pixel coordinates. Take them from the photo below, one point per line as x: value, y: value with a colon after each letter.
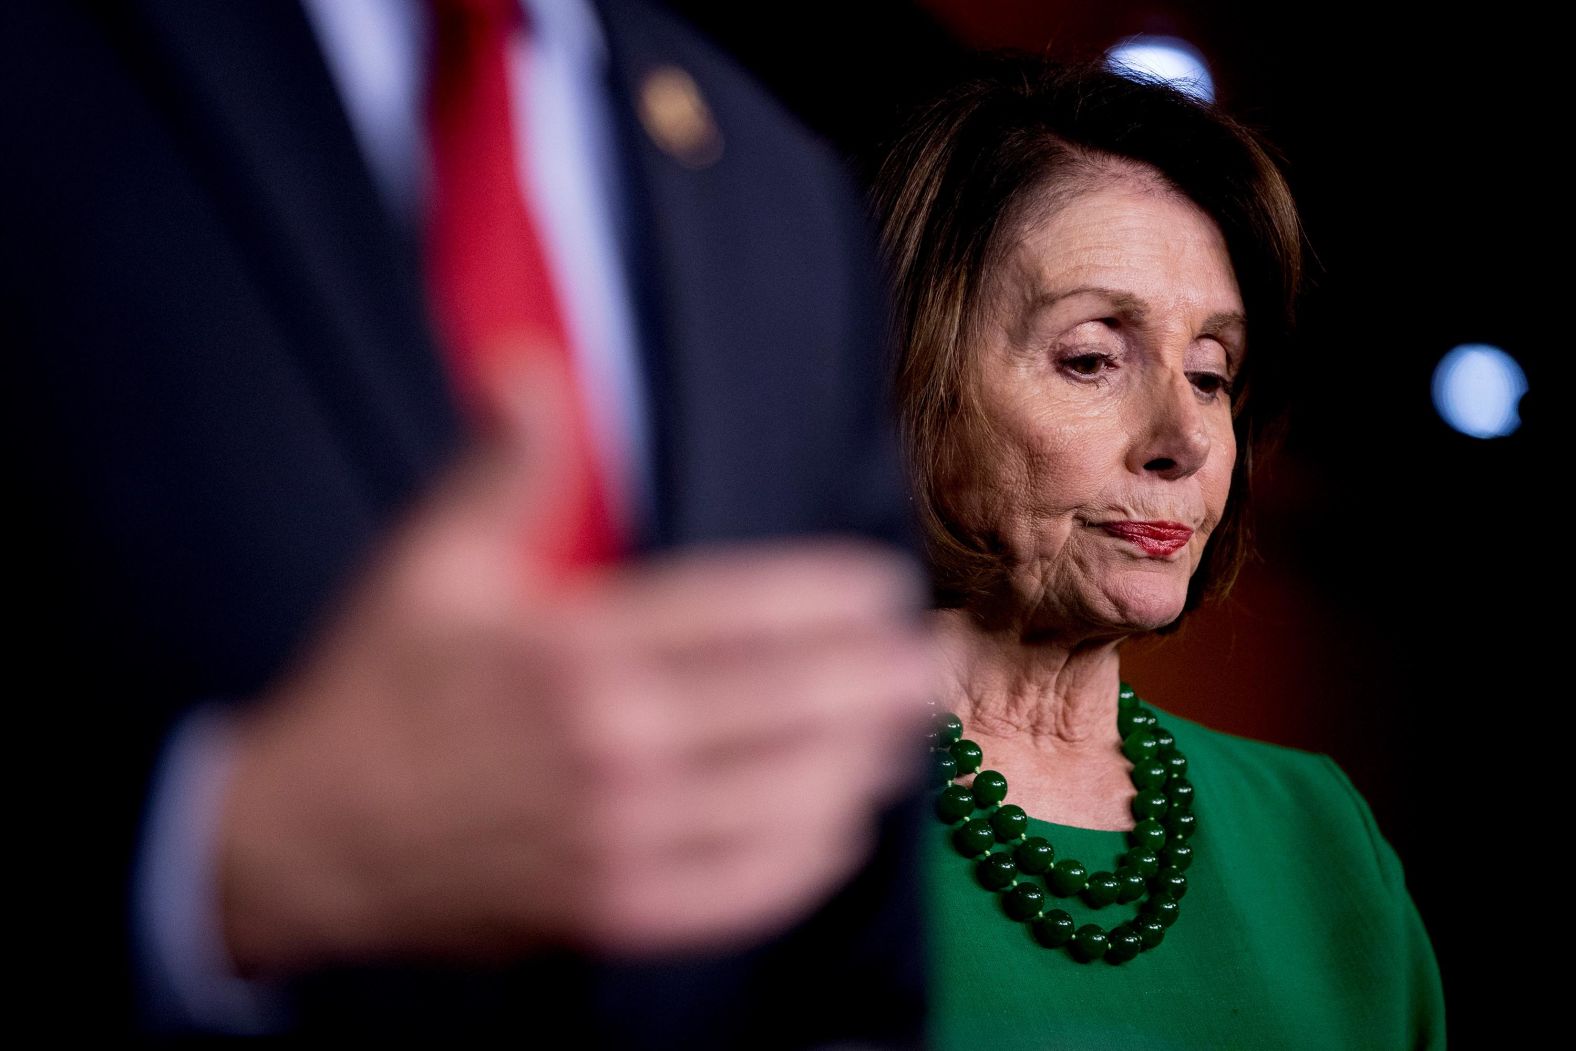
x: 734, y: 594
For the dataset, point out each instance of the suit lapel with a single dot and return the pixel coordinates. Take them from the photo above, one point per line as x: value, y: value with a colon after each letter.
x: 697, y: 252
x: 765, y: 305
x: 650, y: 283
x: 263, y: 113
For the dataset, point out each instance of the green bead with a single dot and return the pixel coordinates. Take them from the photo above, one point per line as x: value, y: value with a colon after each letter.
x: 948, y: 728
x: 1124, y: 943
x: 1150, y: 775
x: 955, y: 803
x: 1181, y: 826
x: 1101, y: 890
x: 990, y: 788
x: 1149, y: 804
x: 1090, y: 942
x: 1164, y: 908
x: 1054, y: 929
x: 1009, y: 822
x: 1034, y: 855
x: 1024, y: 901
x: 1067, y: 877
x: 1149, y: 834
x: 1178, y: 855
x: 1144, y: 860
x: 968, y: 755
x: 1132, y: 884
x: 1139, y: 746
x: 974, y: 837
x: 1169, y: 881
x: 1129, y: 720
x: 997, y: 871
x: 1155, y: 862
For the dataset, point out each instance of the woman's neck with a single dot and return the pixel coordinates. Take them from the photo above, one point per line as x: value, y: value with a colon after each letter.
x: 1044, y: 711
x: 1007, y: 685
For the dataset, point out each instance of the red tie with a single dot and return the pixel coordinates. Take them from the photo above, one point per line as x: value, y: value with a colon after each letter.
x: 492, y: 292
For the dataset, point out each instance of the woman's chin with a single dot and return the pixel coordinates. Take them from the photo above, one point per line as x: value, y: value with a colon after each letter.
x: 1105, y: 605
x: 1146, y: 605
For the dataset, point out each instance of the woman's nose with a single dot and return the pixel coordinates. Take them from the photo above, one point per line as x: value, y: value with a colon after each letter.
x: 1170, y: 439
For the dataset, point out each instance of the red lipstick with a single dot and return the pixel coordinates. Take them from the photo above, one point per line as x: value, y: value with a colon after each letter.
x: 1155, y: 539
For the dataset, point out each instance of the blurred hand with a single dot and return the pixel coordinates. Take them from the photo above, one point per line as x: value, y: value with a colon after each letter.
x: 475, y: 760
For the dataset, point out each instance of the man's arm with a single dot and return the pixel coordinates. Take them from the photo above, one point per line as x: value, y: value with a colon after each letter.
x: 472, y: 763
x: 187, y: 980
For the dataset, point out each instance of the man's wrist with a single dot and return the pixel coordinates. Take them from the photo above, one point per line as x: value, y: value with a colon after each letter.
x: 186, y: 979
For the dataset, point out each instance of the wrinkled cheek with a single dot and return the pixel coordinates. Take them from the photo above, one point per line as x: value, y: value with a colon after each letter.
x: 1022, y: 537
x: 995, y: 496
x: 1040, y: 495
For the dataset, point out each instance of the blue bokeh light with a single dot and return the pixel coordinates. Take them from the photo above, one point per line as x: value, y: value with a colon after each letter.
x: 1477, y: 390
x: 1169, y: 58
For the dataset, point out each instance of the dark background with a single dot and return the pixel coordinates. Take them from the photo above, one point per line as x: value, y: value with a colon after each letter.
x: 1409, y: 575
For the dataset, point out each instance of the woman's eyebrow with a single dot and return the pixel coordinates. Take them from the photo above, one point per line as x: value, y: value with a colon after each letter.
x: 1135, y: 309
x: 1225, y: 319
x: 1125, y: 303
x: 1037, y: 299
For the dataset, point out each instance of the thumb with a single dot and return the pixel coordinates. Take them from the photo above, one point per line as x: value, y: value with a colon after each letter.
x: 507, y: 492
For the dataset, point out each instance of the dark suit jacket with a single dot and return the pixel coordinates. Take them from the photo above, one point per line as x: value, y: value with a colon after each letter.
x: 228, y: 391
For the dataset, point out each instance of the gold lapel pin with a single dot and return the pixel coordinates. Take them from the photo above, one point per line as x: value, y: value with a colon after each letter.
x: 677, y: 118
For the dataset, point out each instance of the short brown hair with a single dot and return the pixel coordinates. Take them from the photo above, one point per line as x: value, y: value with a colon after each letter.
x: 1023, y: 133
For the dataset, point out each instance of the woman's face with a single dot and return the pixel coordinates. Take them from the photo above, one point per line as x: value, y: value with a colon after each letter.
x: 1111, y: 336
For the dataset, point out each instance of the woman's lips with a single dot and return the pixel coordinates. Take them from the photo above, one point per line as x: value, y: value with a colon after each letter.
x: 1156, y: 539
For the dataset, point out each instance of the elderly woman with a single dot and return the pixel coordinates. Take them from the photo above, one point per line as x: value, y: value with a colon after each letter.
x: 1094, y: 282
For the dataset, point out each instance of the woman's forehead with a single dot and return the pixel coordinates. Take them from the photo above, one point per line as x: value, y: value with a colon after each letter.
x: 1133, y: 251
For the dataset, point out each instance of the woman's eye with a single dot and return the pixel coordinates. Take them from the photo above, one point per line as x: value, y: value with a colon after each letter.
x: 1086, y: 364
x: 1212, y: 384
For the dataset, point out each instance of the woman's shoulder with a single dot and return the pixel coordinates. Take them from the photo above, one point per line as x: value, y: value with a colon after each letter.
x: 1282, y: 792
x: 1290, y: 824
x: 1244, y: 755
x: 1233, y: 746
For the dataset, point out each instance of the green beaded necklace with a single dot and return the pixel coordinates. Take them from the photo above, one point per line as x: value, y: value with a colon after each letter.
x: 1027, y: 870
